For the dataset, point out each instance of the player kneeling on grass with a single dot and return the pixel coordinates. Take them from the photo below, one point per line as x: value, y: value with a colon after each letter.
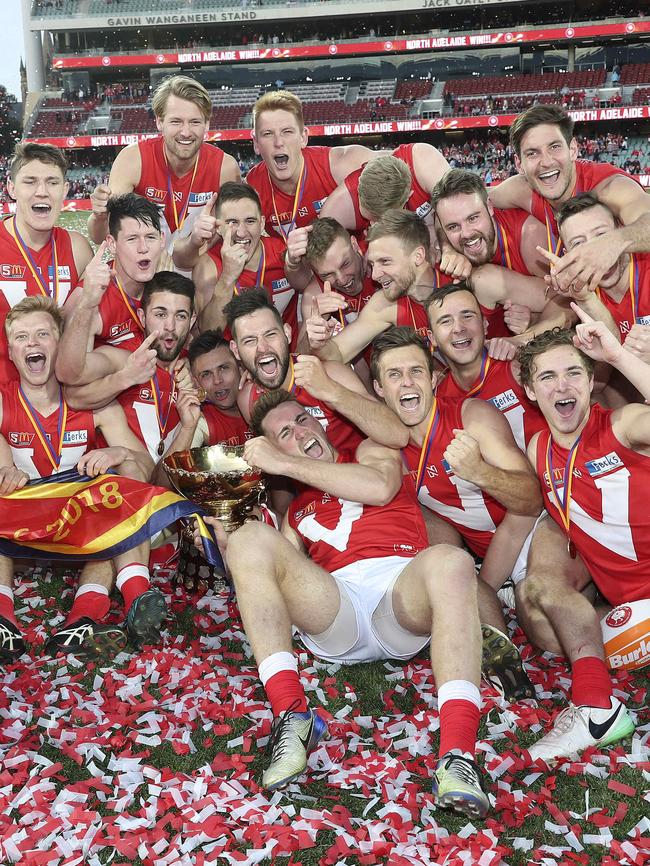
x: 40, y: 436
x: 351, y: 570
x: 594, y: 469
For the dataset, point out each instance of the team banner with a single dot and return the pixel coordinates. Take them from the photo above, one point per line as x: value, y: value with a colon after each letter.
x: 75, y: 518
x: 250, y: 54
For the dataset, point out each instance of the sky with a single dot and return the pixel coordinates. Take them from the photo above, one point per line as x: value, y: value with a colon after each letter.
x: 12, y: 46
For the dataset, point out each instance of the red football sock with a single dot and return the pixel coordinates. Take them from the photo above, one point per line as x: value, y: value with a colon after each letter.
x: 7, y: 604
x: 592, y: 684
x: 459, y: 722
x: 90, y: 600
x: 132, y: 581
x: 284, y: 690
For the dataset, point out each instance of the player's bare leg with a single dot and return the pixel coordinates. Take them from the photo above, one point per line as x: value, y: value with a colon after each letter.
x: 277, y: 586
x: 558, y: 617
x: 437, y: 592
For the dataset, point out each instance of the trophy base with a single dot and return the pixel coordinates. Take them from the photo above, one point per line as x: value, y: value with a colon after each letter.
x: 195, y: 573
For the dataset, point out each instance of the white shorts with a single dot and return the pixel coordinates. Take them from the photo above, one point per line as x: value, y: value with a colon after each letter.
x: 365, y: 628
x: 519, y: 569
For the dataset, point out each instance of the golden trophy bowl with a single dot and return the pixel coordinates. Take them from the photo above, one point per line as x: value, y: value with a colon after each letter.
x: 219, y: 480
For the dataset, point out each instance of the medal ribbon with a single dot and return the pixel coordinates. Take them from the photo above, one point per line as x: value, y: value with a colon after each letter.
x: 291, y: 388
x: 261, y: 272
x: 41, y: 281
x: 432, y: 426
x: 504, y: 249
x: 127, y: 303
x: 485, y: 366
x: 157, y: 399
x: 567, y: 480
x: 297, y: 199
x: 179, y: 224
x: 54, y: 455
x: 634, y: 287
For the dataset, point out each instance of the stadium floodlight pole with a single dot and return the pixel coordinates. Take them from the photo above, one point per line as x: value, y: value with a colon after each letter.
x: 33, y: 51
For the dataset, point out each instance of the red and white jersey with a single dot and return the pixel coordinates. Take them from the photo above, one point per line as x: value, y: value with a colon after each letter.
x: 588, y: 176
x: 338, y: 532
x: 610, y: 520
x: 634, y: 306
x: 412, y: 314
x: 224, y: 429
x: 419, y: 200
x: 120, y: 324
x: 465, y: 506
x: 18, y: 282
x: 341, y: 433
x: 141, y: 406
x: 508, y: 228
x: 277, y: 205
x: 271, y: 277
x: 500, y: 388
x: 27, y: 450
x: 194, y: 190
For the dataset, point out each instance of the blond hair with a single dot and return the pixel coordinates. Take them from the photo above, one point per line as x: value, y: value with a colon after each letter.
x: 406, y: 226
x: 384, y: 183
x: 35, y: 304
x: 183, y: 87
x: 279, y: 100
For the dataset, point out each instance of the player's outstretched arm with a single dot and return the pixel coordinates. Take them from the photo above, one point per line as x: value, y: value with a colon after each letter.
x: 124, y: 177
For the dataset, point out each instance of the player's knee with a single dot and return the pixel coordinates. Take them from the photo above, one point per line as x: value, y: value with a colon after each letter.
x: 251, y: 541
x: 451, y: 563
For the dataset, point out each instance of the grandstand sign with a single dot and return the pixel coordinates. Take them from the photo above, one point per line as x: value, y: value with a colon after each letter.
x: 627, y: 112
x: 344, y: 49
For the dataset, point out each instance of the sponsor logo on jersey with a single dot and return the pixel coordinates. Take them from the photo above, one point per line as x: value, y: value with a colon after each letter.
x: 643, y: 320
x: 423, y: 210
x: 447, y: 467
x: 315, y: 412
x: 504, y: 401
x: 12, y: 272
x: 278, y: 285
x: 432, y: 471
x: 200, y: 198
x: 619, y: 616
x: 21, y: 440
x: 75, y: 437
x: 640, y: 652
x: 604, y: 464
x: 317, y: 205
x: 403, y: 548
x: 118, y: 330
x: 146, y: 395
x: 156, y: 195
x: 64, y: 272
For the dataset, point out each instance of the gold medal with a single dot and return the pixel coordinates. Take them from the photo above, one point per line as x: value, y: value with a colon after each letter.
x: 570, y: 546
x: 161, y: 448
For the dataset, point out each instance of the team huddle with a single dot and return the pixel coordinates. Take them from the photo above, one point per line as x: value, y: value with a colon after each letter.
x: 431, y: 376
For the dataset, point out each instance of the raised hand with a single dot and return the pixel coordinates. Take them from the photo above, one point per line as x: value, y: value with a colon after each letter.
x: 97, y: 277
x: 141, y: 364
x: 594, y: 338
x: 297, y: 246
x: 233, y: 258
x: 319, y: 328
x: 206, y: 226
x: 99, y: 199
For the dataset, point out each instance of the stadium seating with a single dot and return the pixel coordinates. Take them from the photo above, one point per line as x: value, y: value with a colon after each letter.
x: 550, y: 83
